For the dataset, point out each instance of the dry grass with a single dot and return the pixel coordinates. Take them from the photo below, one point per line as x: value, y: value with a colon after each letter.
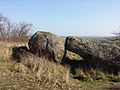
x: 34, y: 73
x: 6, y: 49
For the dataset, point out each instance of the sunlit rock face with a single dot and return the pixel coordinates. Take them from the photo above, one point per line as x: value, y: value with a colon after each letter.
x: 46, y: 44
x: 95, y: 51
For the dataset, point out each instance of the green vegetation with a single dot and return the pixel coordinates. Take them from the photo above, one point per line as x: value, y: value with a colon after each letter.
x: 115, y: 40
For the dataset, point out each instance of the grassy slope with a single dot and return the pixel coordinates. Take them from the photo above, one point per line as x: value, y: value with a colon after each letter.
x: 42, y: 75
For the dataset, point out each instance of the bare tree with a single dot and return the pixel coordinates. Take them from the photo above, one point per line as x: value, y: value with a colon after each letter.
x: 5, y: 27
x: 20, y: 31
x: 24, y: 28
x: 12, y: 31
x: 117, y: 34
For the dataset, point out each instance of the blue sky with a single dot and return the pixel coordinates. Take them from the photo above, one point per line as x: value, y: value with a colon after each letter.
x: 66, y: 17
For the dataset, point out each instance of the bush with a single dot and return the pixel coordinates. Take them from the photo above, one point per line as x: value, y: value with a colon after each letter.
x: 14, y: 32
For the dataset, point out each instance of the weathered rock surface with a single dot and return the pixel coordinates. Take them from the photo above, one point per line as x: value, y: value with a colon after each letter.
x: 72, y: 56
x: 45, y: 44
x: 97, y: 51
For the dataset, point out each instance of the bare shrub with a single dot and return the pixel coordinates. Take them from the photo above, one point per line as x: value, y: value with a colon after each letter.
x: 5, y: 27
x: 20, y: 32
x: 117, y: 34
x: 13, y: 31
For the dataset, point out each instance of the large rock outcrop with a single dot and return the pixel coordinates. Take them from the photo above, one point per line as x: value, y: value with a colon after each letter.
x: 45, y: 44
x: 95, y: 51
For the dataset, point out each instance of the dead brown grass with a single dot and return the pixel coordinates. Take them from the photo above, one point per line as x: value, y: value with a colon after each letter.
x: 34, y: 73
x: 6, y: 49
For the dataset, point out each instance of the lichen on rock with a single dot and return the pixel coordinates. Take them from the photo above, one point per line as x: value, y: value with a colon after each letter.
x: 46, y: 44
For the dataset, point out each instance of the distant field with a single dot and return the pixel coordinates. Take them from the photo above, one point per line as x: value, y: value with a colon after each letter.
x: 90, y: 37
